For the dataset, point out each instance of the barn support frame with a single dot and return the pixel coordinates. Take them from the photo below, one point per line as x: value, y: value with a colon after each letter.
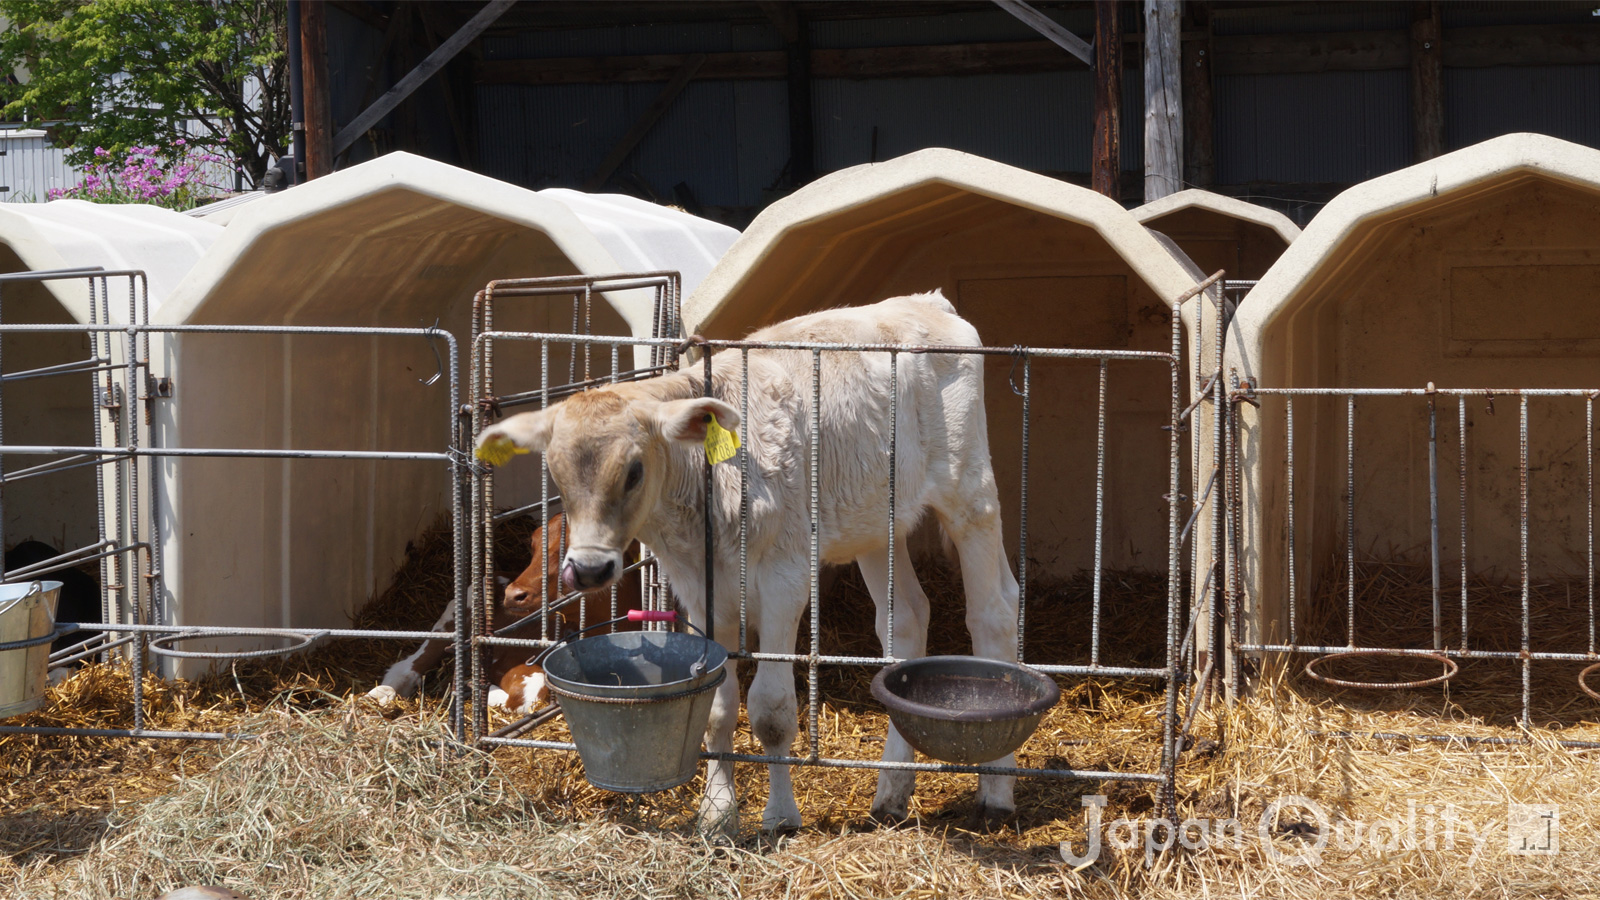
x: 129, y: 626
x: 1181, y: 645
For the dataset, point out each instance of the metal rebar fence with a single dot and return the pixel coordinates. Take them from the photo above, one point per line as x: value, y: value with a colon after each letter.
x: 1337, y: 415
x: 125, y: 394
x: 727, y: 579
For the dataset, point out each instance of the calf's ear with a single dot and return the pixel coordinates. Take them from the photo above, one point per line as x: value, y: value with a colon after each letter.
x: 687, y: 420
x: 522, y: 433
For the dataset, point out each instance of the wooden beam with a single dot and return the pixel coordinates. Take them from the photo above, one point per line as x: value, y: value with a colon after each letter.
x: 646, y: 121
x: 989, y: 58
x: 1199, y: 139
x: 1050, y: 28
x: 1522, y: 45
x: 1163, y: 100
x: 317, y: 107
x: 797, y: 72
x: 745, y: 66
x: 1427, y: 81
x: 1358, y: 51
x: 1106, y: 163
x: 424, y: 70
x: 1256, y: 54
x: 1343, y: 51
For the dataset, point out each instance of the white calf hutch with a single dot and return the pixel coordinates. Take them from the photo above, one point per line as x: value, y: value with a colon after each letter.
x: 50, y: 394
x: 306, y: 348
x: 398, y: 242
x: 1414, y: 384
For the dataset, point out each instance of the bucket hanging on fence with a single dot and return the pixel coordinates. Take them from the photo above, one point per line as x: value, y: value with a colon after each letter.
x: 637, y: 703
x: 27, y: 626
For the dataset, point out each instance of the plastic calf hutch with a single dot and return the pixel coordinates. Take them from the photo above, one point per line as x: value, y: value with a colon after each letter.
x: 1219, y: 232
x: 1414, y: 381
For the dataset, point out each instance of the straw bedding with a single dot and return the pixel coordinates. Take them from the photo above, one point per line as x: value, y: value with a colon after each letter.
x: 338, y: 798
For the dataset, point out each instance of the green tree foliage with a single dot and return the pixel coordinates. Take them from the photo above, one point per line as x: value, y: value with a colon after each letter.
x: 120, y: 74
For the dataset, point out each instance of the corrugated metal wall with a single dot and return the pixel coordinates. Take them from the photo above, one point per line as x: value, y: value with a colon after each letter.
x: 1043, y: 122
x: 729, y: 140
x: 30, y: 167
x: 1344, y: 127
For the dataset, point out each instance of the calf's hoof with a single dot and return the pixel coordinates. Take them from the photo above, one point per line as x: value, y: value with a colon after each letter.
x: 887, y: 817
x: 384, y: 694
x: 988, y: 818
x: 716, y: 822
x: 785, y: 824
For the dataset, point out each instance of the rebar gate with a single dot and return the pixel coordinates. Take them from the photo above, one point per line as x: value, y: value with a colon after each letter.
x: 1349, y: 425
x: 662, y: 351
x: 126, y: 393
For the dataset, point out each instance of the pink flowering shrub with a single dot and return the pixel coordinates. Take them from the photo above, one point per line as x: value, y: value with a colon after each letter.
x: 176, y: 179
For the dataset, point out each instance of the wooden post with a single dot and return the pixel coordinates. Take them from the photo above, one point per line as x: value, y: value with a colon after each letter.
x: 314, y: 77
x: 1199, y: 140
x: 797, y: 57
x: 1163, y: 100
x: 1427, y: 80
x: 1106, y: 166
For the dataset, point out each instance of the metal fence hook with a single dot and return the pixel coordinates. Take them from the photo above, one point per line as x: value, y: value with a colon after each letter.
x: 1017, y: 352
x: 438, y: 363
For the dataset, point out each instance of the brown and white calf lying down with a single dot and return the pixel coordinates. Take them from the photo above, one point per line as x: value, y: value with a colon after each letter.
x: 514, y: 684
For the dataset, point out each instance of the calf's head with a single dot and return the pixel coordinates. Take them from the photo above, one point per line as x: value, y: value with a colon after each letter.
x: 611, y: 457
x: 540, y: 582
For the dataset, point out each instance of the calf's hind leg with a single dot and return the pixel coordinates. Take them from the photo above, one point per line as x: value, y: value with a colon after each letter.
x: 893, y: 797
x: 992, y: 599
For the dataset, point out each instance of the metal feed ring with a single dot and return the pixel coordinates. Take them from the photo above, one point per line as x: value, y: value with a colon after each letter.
x: 1450, y: 670
x: 159, y: 646
x: 1583, y: 680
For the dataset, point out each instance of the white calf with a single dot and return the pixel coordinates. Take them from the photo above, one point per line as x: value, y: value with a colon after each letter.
x: 628, y: 459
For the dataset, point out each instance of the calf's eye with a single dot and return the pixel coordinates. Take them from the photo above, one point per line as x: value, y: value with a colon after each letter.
x: 635, y: 475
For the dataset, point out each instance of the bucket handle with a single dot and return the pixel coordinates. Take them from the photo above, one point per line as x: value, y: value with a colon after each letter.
x: 634, y: 615
x: 37, y: 587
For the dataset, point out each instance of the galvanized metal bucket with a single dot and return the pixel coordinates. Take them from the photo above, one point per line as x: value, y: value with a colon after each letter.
x: 637, y: 704
x: 27, y: 626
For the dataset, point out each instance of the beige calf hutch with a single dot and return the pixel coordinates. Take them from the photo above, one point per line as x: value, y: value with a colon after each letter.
x: 1476, y: 273
x: 1030, y: 261
x: 1219, y: 232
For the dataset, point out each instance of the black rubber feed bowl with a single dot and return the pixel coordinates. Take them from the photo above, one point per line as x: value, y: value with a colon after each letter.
x: 963, y: 709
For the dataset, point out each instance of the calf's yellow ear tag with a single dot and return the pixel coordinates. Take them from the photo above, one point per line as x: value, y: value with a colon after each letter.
x: 497, y: 451
x: 721, y: 444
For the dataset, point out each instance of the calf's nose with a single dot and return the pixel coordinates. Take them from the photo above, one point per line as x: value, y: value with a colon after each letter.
x: 579, y: 575
x: 517, y: 596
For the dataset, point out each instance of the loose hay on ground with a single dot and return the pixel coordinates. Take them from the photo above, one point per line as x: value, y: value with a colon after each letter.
x: 390, y: 815
x: 338, y: 802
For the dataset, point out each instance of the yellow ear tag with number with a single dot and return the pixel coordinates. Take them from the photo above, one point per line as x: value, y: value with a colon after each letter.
x: 497, y: 451
x: 721, y: 443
